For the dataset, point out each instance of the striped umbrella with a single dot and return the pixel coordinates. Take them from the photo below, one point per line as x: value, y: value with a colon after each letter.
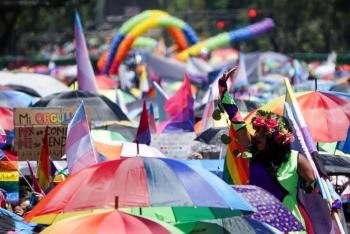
x: 137, y: 182
x: 110, y: 222
x: 326, y: 114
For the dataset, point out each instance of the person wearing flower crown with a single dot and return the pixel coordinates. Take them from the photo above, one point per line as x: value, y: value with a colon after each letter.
x: 273, y: 166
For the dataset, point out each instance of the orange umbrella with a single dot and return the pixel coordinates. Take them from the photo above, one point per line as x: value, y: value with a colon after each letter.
x: 327, y: 115
x: 109, y: 222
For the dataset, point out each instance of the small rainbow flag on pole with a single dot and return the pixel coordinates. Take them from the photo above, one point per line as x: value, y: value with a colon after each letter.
x: 236, y: 168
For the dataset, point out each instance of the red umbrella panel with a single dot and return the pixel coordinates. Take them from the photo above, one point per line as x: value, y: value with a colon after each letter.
x: 327, y: 116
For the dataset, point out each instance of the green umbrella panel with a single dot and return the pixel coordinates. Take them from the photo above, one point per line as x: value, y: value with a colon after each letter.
x: 182, y: 214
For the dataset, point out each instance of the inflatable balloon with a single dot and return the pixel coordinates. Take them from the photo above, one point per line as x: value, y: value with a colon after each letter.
x: 145, y: 42
x: 178, y: 33
x: 227, y: 38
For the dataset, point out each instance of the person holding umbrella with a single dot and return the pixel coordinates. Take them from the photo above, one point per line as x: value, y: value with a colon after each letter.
x: 273, y: 166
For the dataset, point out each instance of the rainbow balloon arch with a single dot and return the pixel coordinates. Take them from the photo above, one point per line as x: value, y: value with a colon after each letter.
x: 184, y: 36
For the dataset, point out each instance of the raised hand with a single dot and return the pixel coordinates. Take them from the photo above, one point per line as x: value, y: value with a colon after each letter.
x: 229, y: 73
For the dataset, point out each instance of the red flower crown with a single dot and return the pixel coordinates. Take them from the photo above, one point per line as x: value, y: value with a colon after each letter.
x: 274, y: 126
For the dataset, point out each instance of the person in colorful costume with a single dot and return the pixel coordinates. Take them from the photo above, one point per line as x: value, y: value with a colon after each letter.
x: 273, y: 165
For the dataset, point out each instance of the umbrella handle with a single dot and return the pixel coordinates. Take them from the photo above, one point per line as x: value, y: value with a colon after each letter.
x: 116, y: 202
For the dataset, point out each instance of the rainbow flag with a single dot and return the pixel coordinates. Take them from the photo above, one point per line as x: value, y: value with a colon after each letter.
x: 236, y: 168
x: 86, y: 76
x: 44, y: 167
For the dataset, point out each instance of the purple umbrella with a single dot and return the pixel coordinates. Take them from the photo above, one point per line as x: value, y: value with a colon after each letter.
x: 269, y: 209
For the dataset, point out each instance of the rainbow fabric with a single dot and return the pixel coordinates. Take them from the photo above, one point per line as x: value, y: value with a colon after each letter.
x: 85, y: 76
x: 236, y: 169
x: 44, y: 168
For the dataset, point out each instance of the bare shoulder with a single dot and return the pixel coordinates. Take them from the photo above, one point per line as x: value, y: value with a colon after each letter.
x: 304, y: 168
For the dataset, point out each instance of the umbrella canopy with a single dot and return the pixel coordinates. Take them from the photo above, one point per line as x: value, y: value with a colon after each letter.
x: 269, y: 209
x: 310, y: 85
x: 105, y: 82
x: 137, y: 182
x: 106, y: 135
x: 344, y: 87
x: 6, y: 120
x: 117, y: 149
x: 109, y: 222
x: 102, y: 108
x: 126, y: 128
x: 176, y: 215
x: 12, y: 222
x: 42, y: 84
x: 23, y: 89
x: 211, y: 136
x: 15, y: 99
x: 112, y: 95
x: 335, y: 164
x: 327, y: 116
x: 239, y: 225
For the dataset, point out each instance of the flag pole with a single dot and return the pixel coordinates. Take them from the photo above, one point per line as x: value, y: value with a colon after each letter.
x: 19, y: 171
x: 309, y: 148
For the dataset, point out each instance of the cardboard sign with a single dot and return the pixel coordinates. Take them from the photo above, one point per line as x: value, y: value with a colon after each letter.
x: 30, y: 124
x: 175, y: 145
x: 28, y: 141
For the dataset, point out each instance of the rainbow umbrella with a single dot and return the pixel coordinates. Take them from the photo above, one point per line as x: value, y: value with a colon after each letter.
x: 327, y: 115
x: 110, y: 222
x: 138, y: 182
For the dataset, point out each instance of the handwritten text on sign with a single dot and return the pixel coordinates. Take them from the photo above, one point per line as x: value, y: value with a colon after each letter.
x: 30, y: 124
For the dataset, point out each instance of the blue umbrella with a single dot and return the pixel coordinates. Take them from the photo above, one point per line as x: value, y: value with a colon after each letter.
x: 13, y: 222
x: 15, y: 99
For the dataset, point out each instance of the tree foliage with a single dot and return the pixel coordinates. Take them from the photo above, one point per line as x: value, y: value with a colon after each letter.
x: 26, y: 28
x: 301, y: 26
